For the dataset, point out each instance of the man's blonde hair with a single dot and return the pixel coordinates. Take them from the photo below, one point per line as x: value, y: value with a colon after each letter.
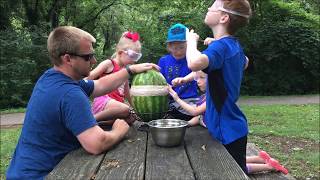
x: 65, y: 39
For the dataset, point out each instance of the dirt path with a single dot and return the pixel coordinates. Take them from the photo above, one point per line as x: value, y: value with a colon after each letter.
x: 15, y: 119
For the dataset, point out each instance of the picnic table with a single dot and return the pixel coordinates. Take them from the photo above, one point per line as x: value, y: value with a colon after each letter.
x: 138, y: 157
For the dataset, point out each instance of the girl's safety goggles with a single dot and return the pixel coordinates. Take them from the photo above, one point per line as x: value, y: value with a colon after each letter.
x: 133, y: 55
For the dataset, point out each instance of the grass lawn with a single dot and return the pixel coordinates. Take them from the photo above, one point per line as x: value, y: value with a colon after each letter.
x: 290, y: 133
x: 9, y: 139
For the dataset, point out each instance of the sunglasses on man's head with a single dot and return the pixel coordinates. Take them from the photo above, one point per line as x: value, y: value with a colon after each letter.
x: 86, y: 57
x: 133, y: 55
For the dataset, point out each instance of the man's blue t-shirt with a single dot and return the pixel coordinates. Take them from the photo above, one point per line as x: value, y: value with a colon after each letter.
x: 58, y: 111
x: 171, y: 69
x: 224, y: 119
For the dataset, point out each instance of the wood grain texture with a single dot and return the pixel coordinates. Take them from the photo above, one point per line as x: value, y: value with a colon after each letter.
x: 127, y: 159
x: 77, y: 164
x: 167, y: 162
x: 209, y: 159
x: 253, y: 150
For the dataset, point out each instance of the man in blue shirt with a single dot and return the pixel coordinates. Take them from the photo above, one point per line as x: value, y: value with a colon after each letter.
x: 58, y: 117
x: 174, y: 66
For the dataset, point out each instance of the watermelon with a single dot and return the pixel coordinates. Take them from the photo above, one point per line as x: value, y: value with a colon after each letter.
x: 149, y: 95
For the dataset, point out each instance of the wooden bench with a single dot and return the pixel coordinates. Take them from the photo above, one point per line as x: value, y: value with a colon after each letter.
x: 253, y: 150
x: 137, y: 157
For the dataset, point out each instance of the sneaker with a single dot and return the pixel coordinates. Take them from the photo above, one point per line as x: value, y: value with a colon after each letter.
x: 264, y: 155
x: 276, y: 165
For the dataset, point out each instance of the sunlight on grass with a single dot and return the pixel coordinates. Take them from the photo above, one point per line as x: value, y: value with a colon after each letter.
x: 9, y: 139
x: 282, y: 129
x: 296, y: 121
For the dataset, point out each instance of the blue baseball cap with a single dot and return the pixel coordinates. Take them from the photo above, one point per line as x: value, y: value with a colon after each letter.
x: 177, y: 32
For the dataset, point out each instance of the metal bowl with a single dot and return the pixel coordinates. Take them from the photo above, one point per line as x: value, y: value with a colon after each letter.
x: 168, y: 132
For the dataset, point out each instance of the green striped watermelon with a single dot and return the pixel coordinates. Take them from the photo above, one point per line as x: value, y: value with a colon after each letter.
x: 149, y: 95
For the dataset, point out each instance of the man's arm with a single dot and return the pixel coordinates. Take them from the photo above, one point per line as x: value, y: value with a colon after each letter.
x: 95, y: 140
x: 110, y: 82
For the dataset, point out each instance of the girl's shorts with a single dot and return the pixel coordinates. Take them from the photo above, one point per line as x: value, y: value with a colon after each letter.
x: 99, y: 103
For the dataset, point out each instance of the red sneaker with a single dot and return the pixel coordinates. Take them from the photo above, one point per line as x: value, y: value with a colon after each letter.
x: 264, y: 155
x: 276, y: 165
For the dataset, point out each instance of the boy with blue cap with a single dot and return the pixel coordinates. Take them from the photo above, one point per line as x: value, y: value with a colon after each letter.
x: 174, y: 66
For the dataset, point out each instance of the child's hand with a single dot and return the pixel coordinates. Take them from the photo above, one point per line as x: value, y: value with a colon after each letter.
x: 208, y: 40
x: 173, y: 93
x: 178, y: 81
x: 192, y: 36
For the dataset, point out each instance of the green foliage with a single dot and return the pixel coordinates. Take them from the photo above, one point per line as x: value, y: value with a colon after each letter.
x: 23, y: 60
x: 282, y: 43
x: 282, y: 39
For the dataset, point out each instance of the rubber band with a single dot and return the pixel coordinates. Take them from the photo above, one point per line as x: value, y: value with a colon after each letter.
x: 149, y: 90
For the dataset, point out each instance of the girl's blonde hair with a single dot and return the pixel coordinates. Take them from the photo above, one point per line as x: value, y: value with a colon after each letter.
x: 126, y: 42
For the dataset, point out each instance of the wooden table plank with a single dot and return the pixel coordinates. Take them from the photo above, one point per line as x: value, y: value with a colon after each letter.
x: 167, y: 162
x: 77, y: 164
x: 209, y: 159
x: 127, y: 159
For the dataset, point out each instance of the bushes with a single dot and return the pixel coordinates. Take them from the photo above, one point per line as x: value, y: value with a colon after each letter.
x: 23, y: 59
x: 282, y: 42
x: 284, y: 50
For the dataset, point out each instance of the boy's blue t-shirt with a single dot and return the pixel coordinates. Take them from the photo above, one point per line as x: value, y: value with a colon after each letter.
x: 224, y: 119
x: 171, y: 69
x: 58, y: 111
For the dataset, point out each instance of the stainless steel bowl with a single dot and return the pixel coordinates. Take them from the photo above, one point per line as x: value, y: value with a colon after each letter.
x: 168, y: 132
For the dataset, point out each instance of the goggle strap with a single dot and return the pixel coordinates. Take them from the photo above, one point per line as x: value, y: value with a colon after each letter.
x: 233, y: 12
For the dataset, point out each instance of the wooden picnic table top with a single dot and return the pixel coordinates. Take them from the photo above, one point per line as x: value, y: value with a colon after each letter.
x: 137, y: 157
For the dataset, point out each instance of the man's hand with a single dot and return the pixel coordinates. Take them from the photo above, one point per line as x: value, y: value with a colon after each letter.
x: 139, y: 68
x: 121, y: 126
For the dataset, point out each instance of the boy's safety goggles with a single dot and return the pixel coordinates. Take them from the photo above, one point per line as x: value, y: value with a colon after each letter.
x: 133, y: 55
x: 218, y: 6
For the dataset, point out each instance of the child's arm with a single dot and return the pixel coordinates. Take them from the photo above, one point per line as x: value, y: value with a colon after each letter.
x: 181, y: 80
x: 196, y: 60
x: 104, y: 66
x: 193, y: 110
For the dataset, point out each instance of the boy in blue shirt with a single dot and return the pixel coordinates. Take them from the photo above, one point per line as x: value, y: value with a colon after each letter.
x: 224, y: 62
x: 174, y: 65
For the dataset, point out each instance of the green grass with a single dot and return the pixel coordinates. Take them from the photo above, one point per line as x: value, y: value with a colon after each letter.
x: 17, y: 110
x: 290, y: 133
x: 294, y: 121
x: 9, y: 139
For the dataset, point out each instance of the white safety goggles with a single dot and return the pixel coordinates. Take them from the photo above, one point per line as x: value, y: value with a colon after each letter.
x: 218, y: 6
x: 133, y: 55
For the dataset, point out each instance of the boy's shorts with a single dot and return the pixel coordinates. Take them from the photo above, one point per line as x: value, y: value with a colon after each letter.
x: 99, y: 103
